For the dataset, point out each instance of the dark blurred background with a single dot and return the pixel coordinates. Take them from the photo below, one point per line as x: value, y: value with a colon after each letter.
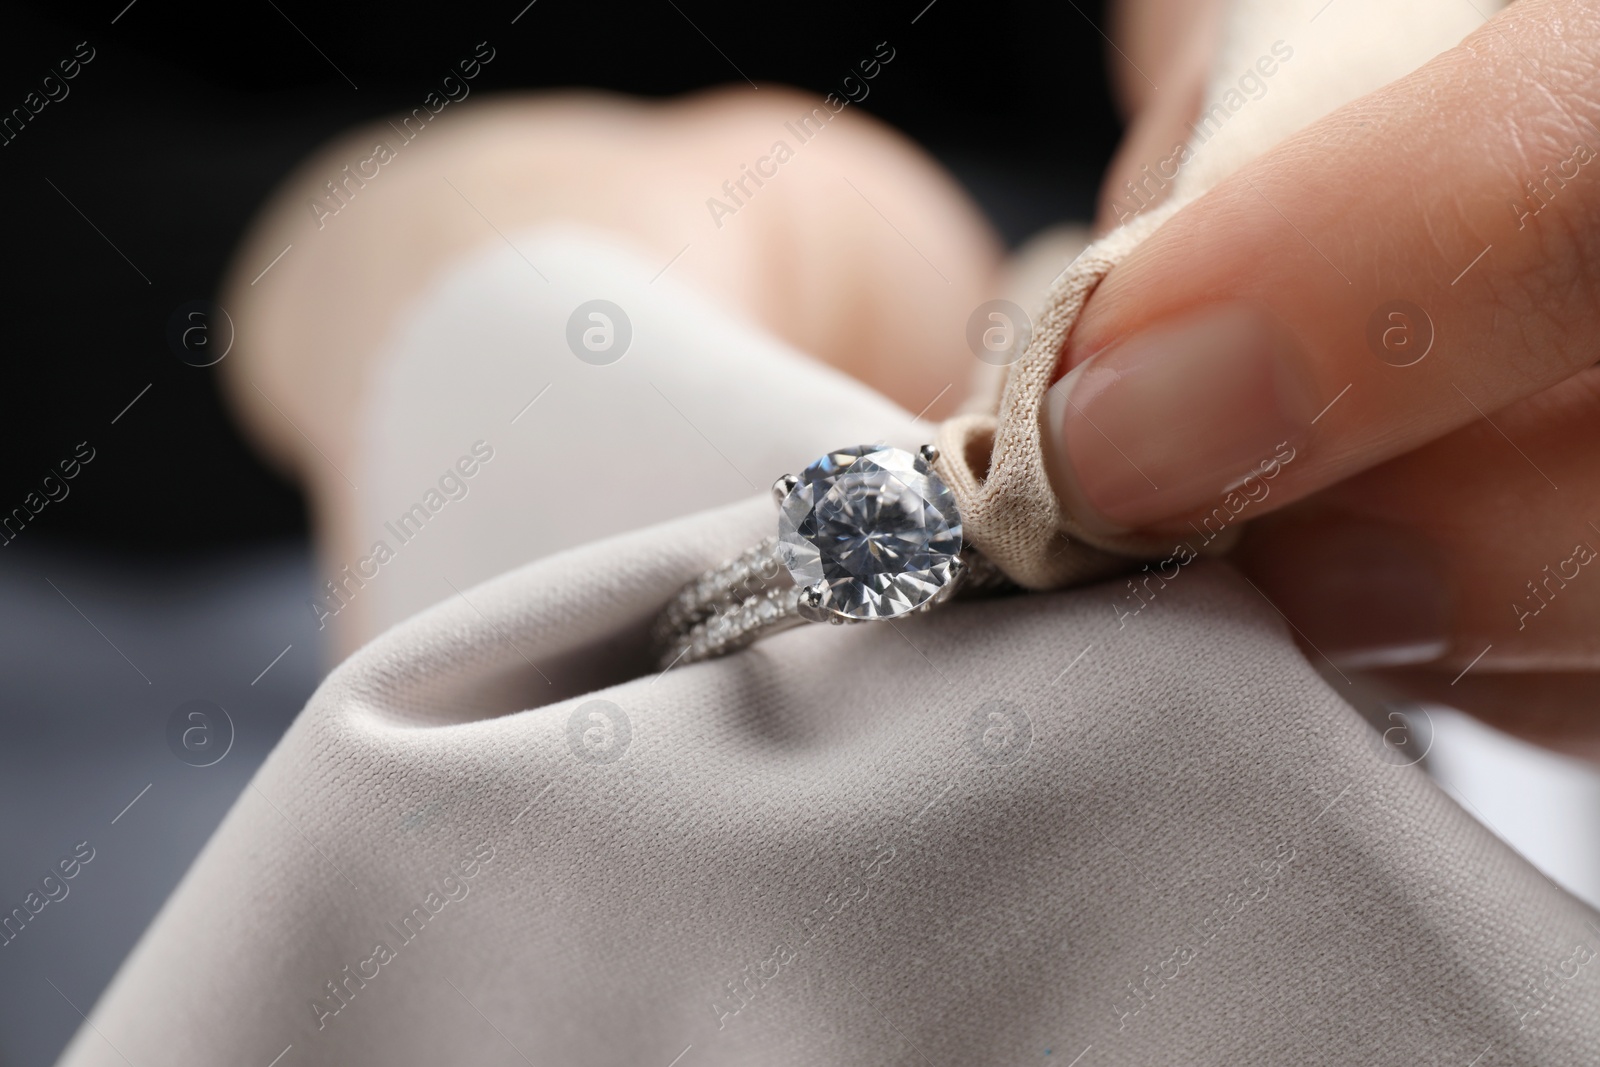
x: 188, y: 116
x: 176, y: 567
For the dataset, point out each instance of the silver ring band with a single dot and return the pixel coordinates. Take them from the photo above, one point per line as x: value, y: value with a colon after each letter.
x: 752, y: 596
x: 855, y: 504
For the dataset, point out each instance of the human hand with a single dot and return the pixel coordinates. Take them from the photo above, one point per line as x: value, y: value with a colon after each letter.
x: 1439, y: 523
x: 846, y: 286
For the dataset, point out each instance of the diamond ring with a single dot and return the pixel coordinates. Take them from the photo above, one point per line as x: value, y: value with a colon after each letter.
x: 866, y: 533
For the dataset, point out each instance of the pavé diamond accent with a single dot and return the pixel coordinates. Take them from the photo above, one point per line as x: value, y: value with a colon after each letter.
x: 876, y: 525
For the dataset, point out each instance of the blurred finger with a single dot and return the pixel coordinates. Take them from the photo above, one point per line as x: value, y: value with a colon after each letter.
x: 1462, y: 554
x: 1153, y: 39
x: 1560, y: 711
x: 1173, y: 42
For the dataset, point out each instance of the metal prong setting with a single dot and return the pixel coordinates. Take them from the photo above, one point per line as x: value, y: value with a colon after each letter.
x: 958, y: 575
x: 929, y: 453
x: 813, y: 605
x: 782, y: 488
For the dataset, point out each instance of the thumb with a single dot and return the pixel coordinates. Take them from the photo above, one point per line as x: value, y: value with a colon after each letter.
x: 1406, y: 265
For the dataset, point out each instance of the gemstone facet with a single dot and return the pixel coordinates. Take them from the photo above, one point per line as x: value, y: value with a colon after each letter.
x: 876, y: 525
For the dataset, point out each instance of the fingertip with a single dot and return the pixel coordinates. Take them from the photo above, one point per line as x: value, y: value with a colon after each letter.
x: 1167, y: 422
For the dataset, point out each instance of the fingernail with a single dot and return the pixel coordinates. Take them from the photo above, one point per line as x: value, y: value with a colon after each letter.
x: 1364, y: 594
x: 1163, y: 424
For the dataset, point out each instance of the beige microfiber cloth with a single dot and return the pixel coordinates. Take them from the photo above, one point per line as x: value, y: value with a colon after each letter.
x: 1014, y: 831
x: 993, y: 459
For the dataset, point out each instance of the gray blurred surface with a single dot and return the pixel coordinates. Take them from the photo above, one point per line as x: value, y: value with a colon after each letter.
x: 85, y: 733
x: 86, y: 691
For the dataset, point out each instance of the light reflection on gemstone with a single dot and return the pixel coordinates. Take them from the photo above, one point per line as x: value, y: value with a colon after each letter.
x: 877, y: 525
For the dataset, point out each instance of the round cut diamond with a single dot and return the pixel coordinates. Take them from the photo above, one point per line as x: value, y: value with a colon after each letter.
x: 875, y: 524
